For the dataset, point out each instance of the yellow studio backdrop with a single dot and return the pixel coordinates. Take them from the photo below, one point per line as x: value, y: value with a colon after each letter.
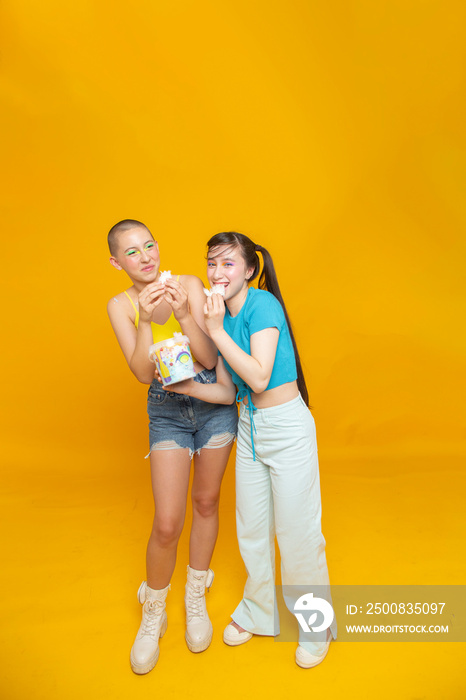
x: 333, y: 134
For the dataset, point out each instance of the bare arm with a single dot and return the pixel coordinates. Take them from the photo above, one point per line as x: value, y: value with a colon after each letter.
x: 255, y: 369
x: 224, y: 391
x: 133, y: 342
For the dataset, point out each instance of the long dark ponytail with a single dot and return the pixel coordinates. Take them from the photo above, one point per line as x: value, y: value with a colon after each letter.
x: 267, y: 280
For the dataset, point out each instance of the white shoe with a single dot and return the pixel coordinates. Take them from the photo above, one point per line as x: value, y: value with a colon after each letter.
x: 145, y: 651
x: 234, y: 637
x: 305, y: 659
x: 198, y: 626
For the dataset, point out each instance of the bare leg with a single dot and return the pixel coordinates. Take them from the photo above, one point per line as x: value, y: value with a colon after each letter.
x: 170, y: 480
x: 209, y: 467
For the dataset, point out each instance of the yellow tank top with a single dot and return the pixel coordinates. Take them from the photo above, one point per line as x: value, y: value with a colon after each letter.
x: 160, y: 332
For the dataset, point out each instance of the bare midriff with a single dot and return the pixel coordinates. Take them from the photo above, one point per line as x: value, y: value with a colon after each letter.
x: 274, y: 397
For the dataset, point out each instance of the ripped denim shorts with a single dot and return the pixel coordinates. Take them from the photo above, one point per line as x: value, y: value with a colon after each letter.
x: 177, y: 420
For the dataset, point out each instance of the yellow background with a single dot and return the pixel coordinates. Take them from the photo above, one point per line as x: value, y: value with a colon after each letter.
x: 333, y: 134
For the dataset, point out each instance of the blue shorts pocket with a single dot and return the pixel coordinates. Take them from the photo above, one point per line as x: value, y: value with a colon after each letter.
x: 156, y: 397
x: 206, y: 376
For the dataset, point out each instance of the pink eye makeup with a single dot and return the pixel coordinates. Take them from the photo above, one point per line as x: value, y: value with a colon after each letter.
x: 211, y: 263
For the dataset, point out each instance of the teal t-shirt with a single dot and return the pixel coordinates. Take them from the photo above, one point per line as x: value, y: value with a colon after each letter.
x: 262, y: 310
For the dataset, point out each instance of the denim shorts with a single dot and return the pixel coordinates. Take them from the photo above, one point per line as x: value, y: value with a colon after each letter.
x: 179, y: 421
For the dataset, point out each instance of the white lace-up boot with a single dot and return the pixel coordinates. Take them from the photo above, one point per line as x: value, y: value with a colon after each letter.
x: 198, y: 626
x: 145, y: 651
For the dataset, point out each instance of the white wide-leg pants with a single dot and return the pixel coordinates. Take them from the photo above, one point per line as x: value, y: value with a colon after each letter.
x: 278, y: 493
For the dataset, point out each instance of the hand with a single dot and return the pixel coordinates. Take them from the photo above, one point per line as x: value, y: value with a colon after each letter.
x: 177, y: 297
x: 214, y: 312
x: 150, y: 297
x: 157, y: 374
x: 185, y: 387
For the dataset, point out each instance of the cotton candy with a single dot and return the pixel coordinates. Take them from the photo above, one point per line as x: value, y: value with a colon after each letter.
x: 216, y: 289
x: 164, y: 276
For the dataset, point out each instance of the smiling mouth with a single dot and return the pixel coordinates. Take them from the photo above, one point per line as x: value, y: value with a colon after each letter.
x: 148, y: 268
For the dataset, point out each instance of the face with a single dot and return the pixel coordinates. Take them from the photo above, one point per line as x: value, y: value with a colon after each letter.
x: 227, y: 267
x: 137, y: 255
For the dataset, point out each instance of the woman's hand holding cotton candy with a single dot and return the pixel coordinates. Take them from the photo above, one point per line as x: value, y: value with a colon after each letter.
x: 177, y: 297
x: 150, y: 297
x: 214, y: 312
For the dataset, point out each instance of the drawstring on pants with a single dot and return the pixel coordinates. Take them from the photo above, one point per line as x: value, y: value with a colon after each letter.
x: 244, y: 392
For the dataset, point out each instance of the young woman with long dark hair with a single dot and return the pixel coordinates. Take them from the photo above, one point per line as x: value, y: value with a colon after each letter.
x: 277, y: 473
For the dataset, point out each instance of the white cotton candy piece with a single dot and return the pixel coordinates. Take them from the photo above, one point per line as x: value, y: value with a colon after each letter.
x: 164, y: 276
x: 216, y: 289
